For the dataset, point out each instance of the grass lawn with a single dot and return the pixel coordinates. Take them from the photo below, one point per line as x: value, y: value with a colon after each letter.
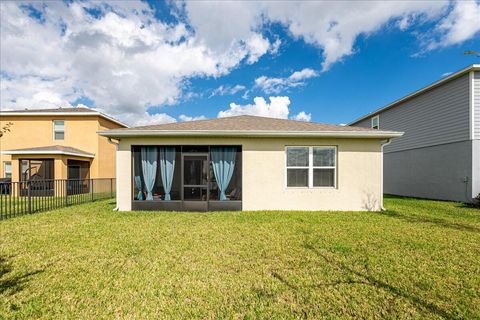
x: 418, y: 259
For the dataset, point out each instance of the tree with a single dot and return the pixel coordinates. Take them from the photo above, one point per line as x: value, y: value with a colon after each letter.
x: 6, y: 128
x: 475, y: 53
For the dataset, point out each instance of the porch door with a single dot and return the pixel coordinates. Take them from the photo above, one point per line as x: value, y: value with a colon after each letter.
x: 74, y: 185
x: 195, y: 181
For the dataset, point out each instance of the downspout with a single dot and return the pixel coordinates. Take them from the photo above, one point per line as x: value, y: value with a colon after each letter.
x: 383, y: 144
x: 116, y: 171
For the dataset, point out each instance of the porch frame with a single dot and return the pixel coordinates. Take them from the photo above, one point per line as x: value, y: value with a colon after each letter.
x: 182, y: 204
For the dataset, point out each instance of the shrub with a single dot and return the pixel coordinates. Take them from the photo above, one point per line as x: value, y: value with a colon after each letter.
x: 476, y: 201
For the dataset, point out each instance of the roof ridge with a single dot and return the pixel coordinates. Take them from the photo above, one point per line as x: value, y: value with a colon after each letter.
x: 47, y: 109
x: 241, y: 116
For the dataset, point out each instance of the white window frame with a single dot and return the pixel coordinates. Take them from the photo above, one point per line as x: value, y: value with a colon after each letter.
x: 377, y: 117
x: 4, y: 169
x: 310, y: 167
x: 55, y: 131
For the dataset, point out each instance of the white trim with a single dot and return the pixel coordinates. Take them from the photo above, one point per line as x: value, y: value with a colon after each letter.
x: 245, y: 133
x: 472, y: 104
x: 117, y: 172
x: 384, y: 144
x: 378, y: 122
x: 68, y: 153
x: 311, y: 167
x: 473, y: 67
x: 66, y: 113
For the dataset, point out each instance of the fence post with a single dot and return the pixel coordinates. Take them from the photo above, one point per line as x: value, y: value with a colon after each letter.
x: 29, y: 197
x: 111, y: 188
x: 66, y: 192
x: 91, y: 187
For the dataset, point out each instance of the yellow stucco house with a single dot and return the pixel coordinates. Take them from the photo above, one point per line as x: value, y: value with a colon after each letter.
x: 56, y: 144
x: 249, y: 163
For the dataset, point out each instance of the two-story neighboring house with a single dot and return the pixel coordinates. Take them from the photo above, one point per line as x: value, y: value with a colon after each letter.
x: 56, y: 144
x: 438, y: 157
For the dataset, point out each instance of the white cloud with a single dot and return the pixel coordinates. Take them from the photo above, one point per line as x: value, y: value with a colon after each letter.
x: 462, y: 23
x: 303, y: 116
x: 184, y: 117
x: 302, y: 74
x: 246, y: 95
x: 278, y: 107
x: 275, y: 47
x: 257, y: 46
x: 446, y: 74
x: 147, y: 119
x: 227, y: 90
x: 333, y: 27
x: 124, y: 59
x: 276, y: 85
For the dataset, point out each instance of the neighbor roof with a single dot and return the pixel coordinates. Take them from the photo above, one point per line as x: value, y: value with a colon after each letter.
x: 63, y: 150
x: 81, y: 111
x: 473, y: 67
x: 247, y: 126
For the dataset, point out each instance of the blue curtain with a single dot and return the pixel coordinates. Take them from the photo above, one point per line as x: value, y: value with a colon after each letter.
x: 149, y: 157
x: 223, y: 163
x: 167, y: 167
x: 138, y: 184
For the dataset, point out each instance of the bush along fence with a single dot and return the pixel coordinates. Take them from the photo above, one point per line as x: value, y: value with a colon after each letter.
x: 26, y: 197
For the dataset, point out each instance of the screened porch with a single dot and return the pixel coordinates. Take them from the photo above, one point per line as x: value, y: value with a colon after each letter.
x: 187, y: 178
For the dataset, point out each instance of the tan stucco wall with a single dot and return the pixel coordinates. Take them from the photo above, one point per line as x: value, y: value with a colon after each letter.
x: 358, y: 173
x: 106, y: 151
x: 80, y: 133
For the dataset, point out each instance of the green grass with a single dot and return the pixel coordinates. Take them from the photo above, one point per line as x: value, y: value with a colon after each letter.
x: 14, y: 206
x: 419, y: 259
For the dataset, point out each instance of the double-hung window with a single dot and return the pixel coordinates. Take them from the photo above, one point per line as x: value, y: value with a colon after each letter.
x: 311, y: 167
x: 376, y: 122
x: 7, y: 169
x: 58, y: 129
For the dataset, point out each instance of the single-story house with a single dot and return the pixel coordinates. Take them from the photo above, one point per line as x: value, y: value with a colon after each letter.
x: 249, y: 163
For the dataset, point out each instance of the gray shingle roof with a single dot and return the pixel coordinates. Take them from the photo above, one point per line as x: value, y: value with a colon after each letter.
x: 247, y: 126
x: 60, y: 111
x: 51, y: 150
x: 246, y: 123
x: 76, y: 110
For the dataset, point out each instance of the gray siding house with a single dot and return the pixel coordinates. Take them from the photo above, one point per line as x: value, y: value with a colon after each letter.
x: 438, y: 157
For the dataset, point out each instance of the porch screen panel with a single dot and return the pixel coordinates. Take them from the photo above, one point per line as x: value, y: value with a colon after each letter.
x: 234, y: 189
x: 167, y: 168
x: 158, y: 190
x: 38, y: 169
x: 149, y: 158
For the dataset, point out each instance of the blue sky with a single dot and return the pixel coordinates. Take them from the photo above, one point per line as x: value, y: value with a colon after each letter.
x: 173, y: 61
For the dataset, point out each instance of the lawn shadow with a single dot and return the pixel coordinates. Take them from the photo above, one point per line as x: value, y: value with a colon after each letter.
x: 367, y: 279
x: 292, y: 286
x: 436, y: 221
x: 465, y: 205
x: 16, y: 283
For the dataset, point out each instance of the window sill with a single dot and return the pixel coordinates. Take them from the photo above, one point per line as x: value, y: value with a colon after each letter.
x: 312, y: 188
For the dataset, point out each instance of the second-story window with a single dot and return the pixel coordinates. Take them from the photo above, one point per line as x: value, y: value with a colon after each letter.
x: 58, y: 129
x: 376, y: 122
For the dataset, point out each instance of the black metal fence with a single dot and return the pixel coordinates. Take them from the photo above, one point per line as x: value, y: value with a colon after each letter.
x: 26, y: 197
